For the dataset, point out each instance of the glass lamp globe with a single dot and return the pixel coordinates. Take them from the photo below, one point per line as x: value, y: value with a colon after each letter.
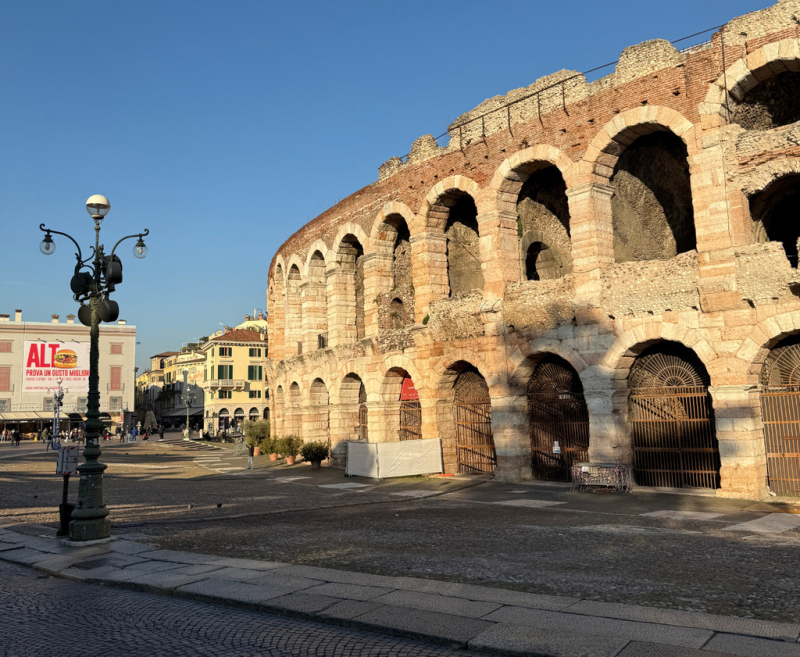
x: 140, y: 250
x: 48, y: 246
x: 98, y: 206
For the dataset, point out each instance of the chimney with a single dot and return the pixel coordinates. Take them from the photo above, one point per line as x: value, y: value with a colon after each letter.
x: 54, y: 319
x: 261, y: 315
x: 227, y: 329
x: 70, y: 319
x: 4, y: 318
x: 122, y: 322
x: 247, y: 318
x: 18, y: 315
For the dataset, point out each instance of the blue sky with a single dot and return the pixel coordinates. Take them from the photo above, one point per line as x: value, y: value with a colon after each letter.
x: 225, y: 126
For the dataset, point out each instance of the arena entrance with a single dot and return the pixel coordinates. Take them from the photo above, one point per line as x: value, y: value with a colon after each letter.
x: 672, y: 420
x: 559, y: 420
x: 473, y: 411
x: 780, y: 410
x: 410, y: 411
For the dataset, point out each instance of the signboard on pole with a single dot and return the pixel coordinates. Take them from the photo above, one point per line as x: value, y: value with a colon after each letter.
x: 67, y: 460
x: 46, y: 362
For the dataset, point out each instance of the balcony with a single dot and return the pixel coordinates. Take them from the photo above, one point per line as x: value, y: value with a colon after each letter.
x: 225, y: 384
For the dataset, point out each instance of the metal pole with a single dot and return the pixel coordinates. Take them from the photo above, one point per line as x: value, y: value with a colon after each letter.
x: 90, y: 518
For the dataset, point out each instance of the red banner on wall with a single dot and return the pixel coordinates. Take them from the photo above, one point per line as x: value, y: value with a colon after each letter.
x: 44, y: 363
x: 408, y: 392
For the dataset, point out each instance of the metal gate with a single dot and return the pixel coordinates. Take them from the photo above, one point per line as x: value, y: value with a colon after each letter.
x: 473, y: 410
x: 672, y: 421
x: 410, y: 420
x: 557, y: 416
x: 780, y: 410
x: 362, y: 431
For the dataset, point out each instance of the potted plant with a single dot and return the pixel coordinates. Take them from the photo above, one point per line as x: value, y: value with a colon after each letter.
x: 255, y: 431
x: 288, y: 447
x: 315, y: 452
x: 266, y: 447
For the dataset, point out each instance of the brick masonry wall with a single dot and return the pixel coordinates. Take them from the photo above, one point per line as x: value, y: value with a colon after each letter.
x: 730, y: 298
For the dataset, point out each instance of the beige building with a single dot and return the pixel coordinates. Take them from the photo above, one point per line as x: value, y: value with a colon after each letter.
x: 235, y: 383
x: 597, y: 271
x: 29, y: 365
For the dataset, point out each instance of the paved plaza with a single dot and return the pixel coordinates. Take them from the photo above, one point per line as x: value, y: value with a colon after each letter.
x: 505, y: 565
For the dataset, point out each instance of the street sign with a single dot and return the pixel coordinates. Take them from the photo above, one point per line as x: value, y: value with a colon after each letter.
x: 67, y: 460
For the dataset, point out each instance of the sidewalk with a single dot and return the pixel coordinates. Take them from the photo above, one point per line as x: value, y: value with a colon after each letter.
x: 461, y: 615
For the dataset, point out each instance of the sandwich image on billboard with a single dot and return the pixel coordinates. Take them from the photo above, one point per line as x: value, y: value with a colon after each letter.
x: 46, y: 362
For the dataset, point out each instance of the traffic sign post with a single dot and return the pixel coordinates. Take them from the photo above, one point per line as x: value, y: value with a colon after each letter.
x: 67, y: 465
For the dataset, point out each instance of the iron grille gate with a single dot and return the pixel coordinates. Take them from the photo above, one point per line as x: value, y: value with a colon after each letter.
x: 557, y: 417
x: 474, y: 441
x: 780, y: 408
x: 674, y: 442
x: 410, y: 420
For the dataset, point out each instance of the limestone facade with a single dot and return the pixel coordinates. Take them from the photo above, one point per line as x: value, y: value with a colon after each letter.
x: 590, y: 224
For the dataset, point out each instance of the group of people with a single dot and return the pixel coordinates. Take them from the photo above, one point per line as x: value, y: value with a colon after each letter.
x: 11, y: 434
x: 130, y: 434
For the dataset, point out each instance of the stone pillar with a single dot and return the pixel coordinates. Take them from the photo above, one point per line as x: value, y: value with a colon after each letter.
x: 342, y: 304
x: 377, y: 280
x: 737, y: 415
x: 499, y: 252
x: 512, y: 442
x: 294, y: 321
x: 314, y: 312
x: 429, y: 264
x: 607, y: 403
x: 315, y: 423
x: 277, y: 325
x: 592, y: 236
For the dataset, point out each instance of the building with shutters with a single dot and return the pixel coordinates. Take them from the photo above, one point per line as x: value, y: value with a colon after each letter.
x: 30, y: 354
x: 235, y: 378
x: 599, y: 270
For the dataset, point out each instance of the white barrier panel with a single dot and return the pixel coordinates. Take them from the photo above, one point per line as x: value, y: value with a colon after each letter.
x: 362, y: 459
x: 401, y: 459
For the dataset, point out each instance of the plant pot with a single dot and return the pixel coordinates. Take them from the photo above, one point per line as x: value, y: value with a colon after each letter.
x: 273, y: 457
x: 290, y: 460
x: 257, y: 451
x: 316, y: 465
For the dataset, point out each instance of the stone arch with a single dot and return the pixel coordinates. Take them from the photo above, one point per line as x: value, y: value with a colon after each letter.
x: 318, y: 246
x: 400, y: 408
x: 317, y: 422
x: 352, y: 408
x: 763, y: 338
x: 525, y: 359
x: 671, y: 418
x: 294, y: 410
x: 280, y: 411
x: 773, y: 211
x: 462, y: 239
x: 745, y: 74
x: 391, y: 275
x: 464, y: 412
x: 434, y: 210
x: 276, y: 310
x: 314, y: 296
x: 294, y: 314
x: 346, y: 312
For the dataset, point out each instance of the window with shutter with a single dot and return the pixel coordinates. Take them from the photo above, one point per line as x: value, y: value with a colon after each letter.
x: 116, y: 378
x: 5, y: 346
x: 116, y: 348
x: 5, y: 379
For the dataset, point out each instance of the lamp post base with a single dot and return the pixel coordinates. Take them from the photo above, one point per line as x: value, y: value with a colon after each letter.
x: 91, y: 529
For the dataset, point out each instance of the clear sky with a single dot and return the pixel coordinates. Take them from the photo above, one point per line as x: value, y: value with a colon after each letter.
x: 224, y: 126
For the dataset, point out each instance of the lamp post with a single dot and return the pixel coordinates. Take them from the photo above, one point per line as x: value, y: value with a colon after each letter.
x: 187, y: 398
x: 58, y: 402
x: 95, y: 277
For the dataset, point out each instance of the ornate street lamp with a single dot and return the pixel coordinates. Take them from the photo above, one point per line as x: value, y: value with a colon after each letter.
x: 93, y: 280
x: 188, y: 399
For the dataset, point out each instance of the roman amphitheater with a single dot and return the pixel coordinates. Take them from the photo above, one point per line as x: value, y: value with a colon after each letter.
x: 599, y: 271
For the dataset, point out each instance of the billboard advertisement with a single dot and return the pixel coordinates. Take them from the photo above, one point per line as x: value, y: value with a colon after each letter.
x: 46, y: 362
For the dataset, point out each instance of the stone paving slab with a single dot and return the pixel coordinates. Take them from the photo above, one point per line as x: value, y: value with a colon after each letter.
x: 419, y: 624
x: 154, y: 566
x: 728, y: 624
x: 195, y: 569
x: 348, y: 609
x: 240, y: 593
x: 178, y: 557
x: 521, y: 640
x: 285, y: 581
x: 747, y: 646
x: 632, y: 630
x: 349, y: 591
x: 24, y: 555
x: 642, y: 649
x: 159, y: 582
x: 250, y: 564
x: 129, y: 547
x: 233, y: 574
x: 8, y: 546
x: 341, y: 576
x: 441, y: 603
x: 302, y: 604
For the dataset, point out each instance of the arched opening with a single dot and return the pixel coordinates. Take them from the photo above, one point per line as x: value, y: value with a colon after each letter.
x: 224, y: 419
x: 672, y: 420
x: 410, y: 411
x: 653, y: 217
x: 475, y: 453
x: 776, y: 217
x: 770, y: 104
x: 780, y: 412
x: 294, y: 321
x: 353, y: 399
x: 559, y: 420
x: 402, y: 412
x: 295, y: 418
x: 280, y: 413
x: 253, y: 414
x: 319, y: 426
x: 351, y: 264
x: 463, y: 244
x: 315, y: 304
x: 543, y: 224
x: 266, y: 413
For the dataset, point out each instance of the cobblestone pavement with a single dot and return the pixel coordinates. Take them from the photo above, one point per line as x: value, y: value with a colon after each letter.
x: 534, y: 538
x: 43, y: 616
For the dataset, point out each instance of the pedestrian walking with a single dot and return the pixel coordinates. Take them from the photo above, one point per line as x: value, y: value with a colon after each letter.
x: 133, y: 434
x: 48, y: 440
x: 161, y: 432
x: 252, y: 453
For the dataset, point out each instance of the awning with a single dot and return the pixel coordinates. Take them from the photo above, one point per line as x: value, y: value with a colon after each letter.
x: 192, y: 411
x: 26, y: 416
